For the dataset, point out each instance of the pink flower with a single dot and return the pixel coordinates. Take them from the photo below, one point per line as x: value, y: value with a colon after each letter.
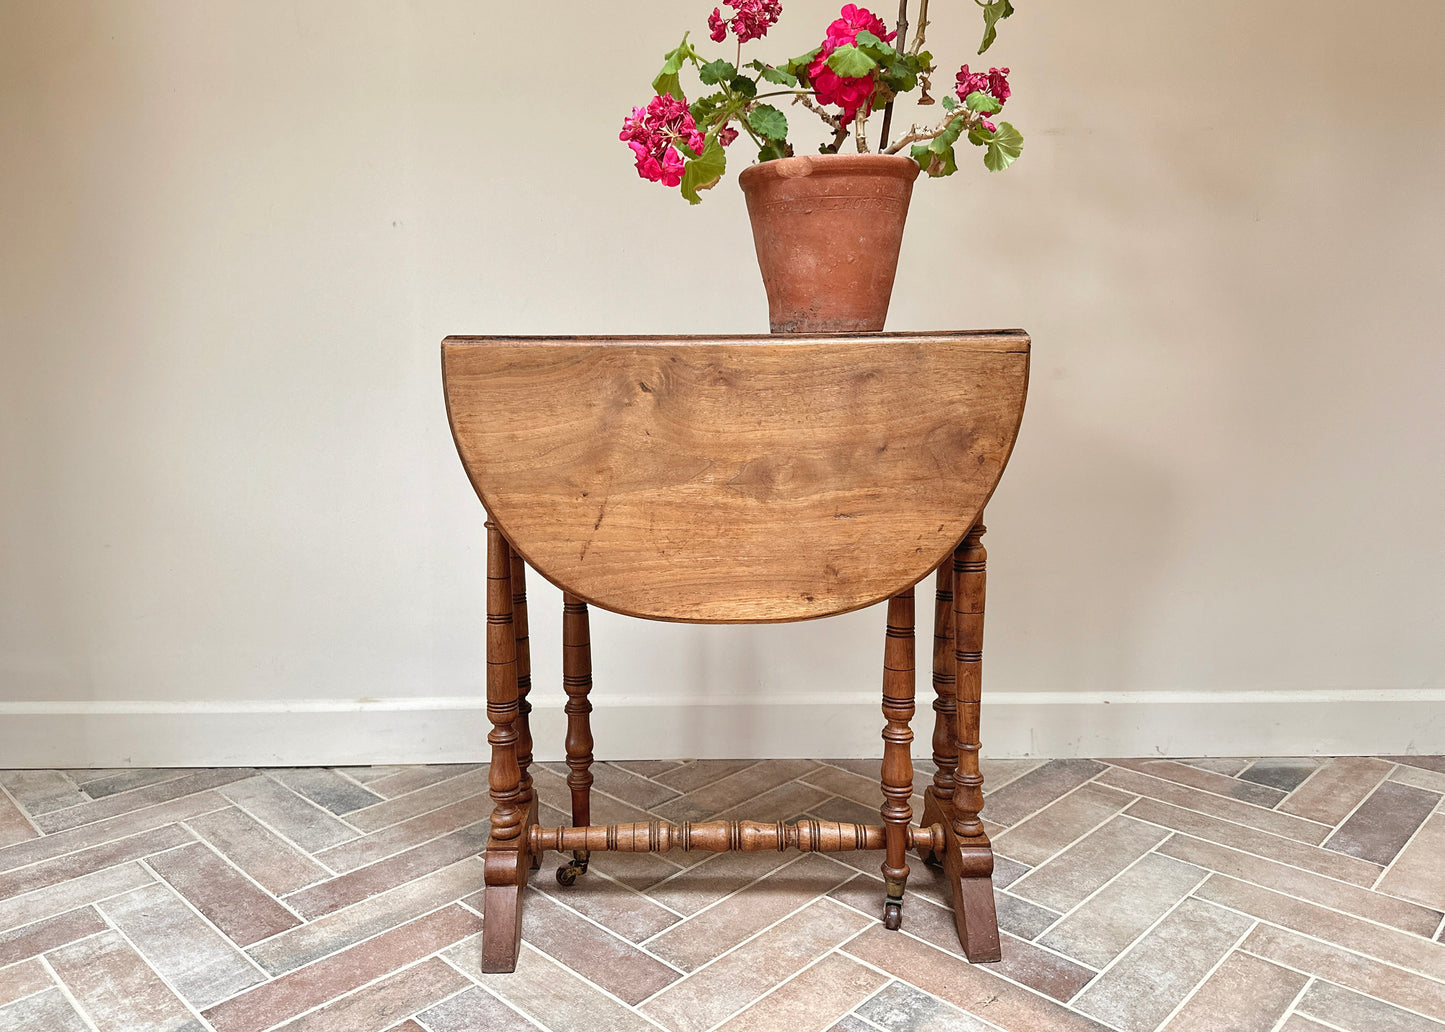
x: 752, y: 20
x: 727, y: 135
x: 653, y: 132
x: 998, y: 84
x: 849, y: 93
x: 995, y: 84
x: 988, y: 125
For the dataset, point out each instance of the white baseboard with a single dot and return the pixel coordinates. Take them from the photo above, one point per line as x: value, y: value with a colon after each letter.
x: 453, y: 730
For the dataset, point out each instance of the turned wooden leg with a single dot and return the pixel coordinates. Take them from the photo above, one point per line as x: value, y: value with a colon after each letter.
x: 506, y: 860
x: 938, y: 798
x: 897, y: 752
x: 577, y: 682
x: 969, y: 859
x: 524, y: 688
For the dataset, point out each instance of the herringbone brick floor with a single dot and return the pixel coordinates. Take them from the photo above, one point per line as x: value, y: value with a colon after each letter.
x: 1279, y: 895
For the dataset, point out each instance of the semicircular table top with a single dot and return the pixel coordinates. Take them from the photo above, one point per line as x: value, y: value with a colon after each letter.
x: 736, y: 479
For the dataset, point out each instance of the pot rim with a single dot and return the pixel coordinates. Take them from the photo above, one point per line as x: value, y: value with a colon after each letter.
x: 894, y: 166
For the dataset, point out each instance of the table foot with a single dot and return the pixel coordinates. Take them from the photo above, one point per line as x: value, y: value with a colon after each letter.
x: 893, y: 915
x: 568, y: 873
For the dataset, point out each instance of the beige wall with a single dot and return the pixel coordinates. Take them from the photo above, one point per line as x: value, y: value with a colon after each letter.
x: 232, y: 235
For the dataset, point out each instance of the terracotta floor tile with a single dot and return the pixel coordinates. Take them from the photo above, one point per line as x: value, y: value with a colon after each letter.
x: 1346, y: 968
x: 648, y: 768
x: 1336, y: 788
x: 298, y: 820
x: 88, y: 861
x: 107, y: 832
x: 396, y: 838
x: 1224, y: 808
x: 21, y: 980
x: 701, y: 938
x: 625, y: 785
x: 1299, y: 1023
x: 1245, y: 994
x: 1435, y: 763
x: 274, y: 863
x: 13, y: 825
x: 1379, y: 829
x: 1206, y: 781
x: 1261, y: 843
x: 238, y: 908
x: 719, y: 875
x: 387, y: 874
x: 127, y: 780
x: 383, y: 1004
x: 119, y: 991
x: 1037, y: 838
x: 605, y: 960
x: 784, y: 803
x: 971, y: 987
x: 700, y: 773
x: 1230, y: 766
x: 1038, y: 788
x: 398, y: 781
x: 1388, y: 944
x: 48, y: 1012
x: 196, y: 960
x: 732, y: 982
x: 336, y: 931
x: 43, y: 936
x: 849, y: 1023
x: 1105, y: 926
x: 1352, y: 899
x: 42, y: 791
x: 308, y: 987
x: 1159, y: 971
x: 326, y: 788
x: 475, y: 1010
x: 70, y: 895
x: 864, y: 791
x: 1418, y: 872
x: 1357, y: 1013
x: 821, y: 994
x: 542, y: 989
x: 1417, y: 777
x: 1077, y: 872
x: 899, y: 1007
x: 127, y: 802
x: 1285, y: 773
x: 630, y: 914
x: 713, y: 798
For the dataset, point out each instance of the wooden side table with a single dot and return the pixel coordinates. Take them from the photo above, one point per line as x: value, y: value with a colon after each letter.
x: 740, y: 480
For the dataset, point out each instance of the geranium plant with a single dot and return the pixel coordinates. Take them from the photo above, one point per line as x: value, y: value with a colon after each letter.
x: 859, y: 68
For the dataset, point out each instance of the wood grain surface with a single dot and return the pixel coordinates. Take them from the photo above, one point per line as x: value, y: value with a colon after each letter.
x: 729, y: 480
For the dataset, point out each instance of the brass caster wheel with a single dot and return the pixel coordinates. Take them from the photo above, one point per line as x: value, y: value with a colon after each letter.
x: 568, y: 872
x: 934, y: 861
x: 893, y: 915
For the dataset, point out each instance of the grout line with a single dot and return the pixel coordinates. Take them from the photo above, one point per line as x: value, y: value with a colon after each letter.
x: 1057, y: 799
x: 191, y: 772
x: 519, y: 1011
x: 1413, y: 835
x: 1359, y: 992
x: 23, y: 812
x: 1144, y: 934
x: 1354, y: 809
x: 1288, y: 1011
x: 445, y: 999
x: 1208, y: 975
x: 350, y: 992
x: 69, y: 996
x: 235, y: 867
x: 1287, y: 817
x: 611, y: 934
x: 795, y: 975
x: 151, y: 969
x: 1073, y: 842
x: 96, y: 845
x: 172, y: 890
x: 471, y: 823
x: 1238, y: 780
x: 1130, y: 866
x: 1329, y: 942
x: 308, y: 854
x: 424, y: 788
x: 721, y: 899
x: 266, y: 773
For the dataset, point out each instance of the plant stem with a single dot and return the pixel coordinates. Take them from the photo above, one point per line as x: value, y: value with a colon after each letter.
x: 922, y: 26
x: 899, y: 41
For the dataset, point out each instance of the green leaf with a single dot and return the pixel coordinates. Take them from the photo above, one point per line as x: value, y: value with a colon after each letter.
x: 992, y: 14
x: 1003, y: 147
x: 798, y: 66
x: 874, y: 46
x: 704, y: 109
x: 768, y: 122
x: 949, y: 102
x: 979, y: 136
x: 704, y: 172
x: 667, y: 80
x: 774, y: 75
x: 775, y: 149
x: 717, y: 71
x: 744, y: 86
x: 936, y: 164
x: 981, y: 102
x: 851, y: 63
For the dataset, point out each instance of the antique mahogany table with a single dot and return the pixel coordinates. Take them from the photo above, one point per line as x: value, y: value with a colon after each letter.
x: 740, y: 480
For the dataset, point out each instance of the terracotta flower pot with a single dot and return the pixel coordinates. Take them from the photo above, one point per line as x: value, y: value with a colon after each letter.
x: 827, y: 229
